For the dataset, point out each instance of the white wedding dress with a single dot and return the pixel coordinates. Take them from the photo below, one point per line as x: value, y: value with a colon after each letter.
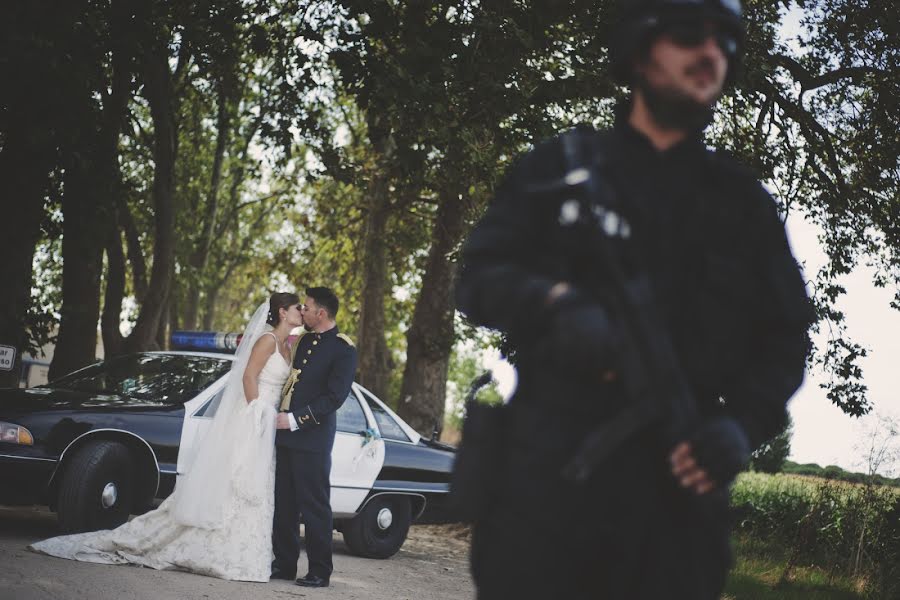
x: 240, y: 546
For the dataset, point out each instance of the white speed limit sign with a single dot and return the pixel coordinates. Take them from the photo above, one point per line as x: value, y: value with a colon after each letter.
x: 7, y: 358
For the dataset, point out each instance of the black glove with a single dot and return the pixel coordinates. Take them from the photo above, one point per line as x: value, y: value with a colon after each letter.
x: 721, y: 448
x: 582, y: 340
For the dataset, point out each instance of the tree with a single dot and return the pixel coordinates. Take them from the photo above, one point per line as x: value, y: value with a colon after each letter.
x: 820, y: 124
x: 771, y: 456
x: 37, y: 71
x: 91, y: 174
x: 879, y: 445
x: 208, y: 219
x: 238, y: 147
x: 456, y: 87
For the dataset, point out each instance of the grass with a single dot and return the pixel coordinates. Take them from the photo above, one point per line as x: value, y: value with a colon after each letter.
x: 759, y: 568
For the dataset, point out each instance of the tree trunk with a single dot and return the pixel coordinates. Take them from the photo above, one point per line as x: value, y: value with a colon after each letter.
x: 430, y: 338
x: 92, y: 191
x: 191, y: 304
x: 37, y: 73
x: 135, y: 252
x: 160, y: 95
x: 162, y: 331
x: 209, y: 311
x: 113, y: 340
x: 25, y: 164
x: 84, y: 227
x: 374, y: 356
x: 200, y: 257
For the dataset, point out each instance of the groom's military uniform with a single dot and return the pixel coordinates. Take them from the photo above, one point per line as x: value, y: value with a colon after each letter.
x: 323, y: 366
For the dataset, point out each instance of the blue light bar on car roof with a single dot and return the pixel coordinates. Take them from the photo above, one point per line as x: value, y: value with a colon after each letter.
x: 210, y: 341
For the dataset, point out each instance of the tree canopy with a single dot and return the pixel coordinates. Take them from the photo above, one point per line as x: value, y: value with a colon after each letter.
x: 174, y: 163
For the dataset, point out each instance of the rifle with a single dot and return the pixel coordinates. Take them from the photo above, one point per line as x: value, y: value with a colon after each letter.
x: 475, y: 480
x: 479, y: 382
x: 657, y: 390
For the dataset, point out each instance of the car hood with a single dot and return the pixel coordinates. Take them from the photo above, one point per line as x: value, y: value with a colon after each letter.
x: 438, y: 445
x: 44, y: 399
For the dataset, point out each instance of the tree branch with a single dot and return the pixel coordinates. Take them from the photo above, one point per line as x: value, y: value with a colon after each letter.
x: 810, y: 126
x: 135, y: 253
x: 809, y: 81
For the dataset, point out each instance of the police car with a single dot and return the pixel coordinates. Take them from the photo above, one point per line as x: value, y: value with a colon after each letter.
x: 108, y: 440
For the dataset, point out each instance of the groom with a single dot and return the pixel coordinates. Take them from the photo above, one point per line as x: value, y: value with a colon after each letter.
x: 324, y: 362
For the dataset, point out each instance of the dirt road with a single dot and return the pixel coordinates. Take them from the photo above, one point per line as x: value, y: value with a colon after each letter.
x: 431, y: 566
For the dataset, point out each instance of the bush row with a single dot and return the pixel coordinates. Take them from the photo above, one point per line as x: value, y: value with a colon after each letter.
x: 835, y: 472
x: 840, y: 527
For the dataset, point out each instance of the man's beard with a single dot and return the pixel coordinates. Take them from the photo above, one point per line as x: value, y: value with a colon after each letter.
x: 672, y: 110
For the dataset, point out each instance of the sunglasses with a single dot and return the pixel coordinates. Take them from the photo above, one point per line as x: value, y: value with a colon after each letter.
x: 691, y: 34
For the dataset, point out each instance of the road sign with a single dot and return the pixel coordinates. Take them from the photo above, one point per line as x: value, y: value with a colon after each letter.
x: 7, y: 358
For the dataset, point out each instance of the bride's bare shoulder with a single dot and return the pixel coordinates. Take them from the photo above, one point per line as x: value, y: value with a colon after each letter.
x: 265, y: 343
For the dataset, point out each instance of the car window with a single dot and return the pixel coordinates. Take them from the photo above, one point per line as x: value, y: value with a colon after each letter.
x: 389, y: 428
x: 163, y: 378
x: 350, y: 416
x: 210, y: 407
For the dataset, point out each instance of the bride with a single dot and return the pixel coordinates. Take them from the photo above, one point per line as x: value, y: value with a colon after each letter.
x: 218, y: 521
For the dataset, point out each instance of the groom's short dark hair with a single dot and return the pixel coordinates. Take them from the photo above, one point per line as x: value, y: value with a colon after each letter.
x: 325, y: 298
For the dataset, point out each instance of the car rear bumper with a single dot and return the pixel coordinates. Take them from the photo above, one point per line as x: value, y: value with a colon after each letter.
x: 24, y: 479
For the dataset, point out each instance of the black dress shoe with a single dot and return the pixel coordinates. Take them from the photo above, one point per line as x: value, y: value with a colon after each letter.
x: 279, y: 574
x: 312, y: 581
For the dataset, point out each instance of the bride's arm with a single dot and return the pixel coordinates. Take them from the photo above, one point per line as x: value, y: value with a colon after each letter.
x: 262, y: 350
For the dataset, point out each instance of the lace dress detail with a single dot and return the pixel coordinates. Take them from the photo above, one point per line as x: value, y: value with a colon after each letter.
x: 239, y: 550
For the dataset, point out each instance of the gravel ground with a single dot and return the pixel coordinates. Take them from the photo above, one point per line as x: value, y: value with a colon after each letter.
x: 431, y: 566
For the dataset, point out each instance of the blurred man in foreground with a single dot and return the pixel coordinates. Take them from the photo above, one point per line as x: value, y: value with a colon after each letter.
x: 590, y: 234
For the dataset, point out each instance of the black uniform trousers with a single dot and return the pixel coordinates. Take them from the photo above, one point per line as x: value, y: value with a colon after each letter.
x: 627, y: 533
x: 302, y: 488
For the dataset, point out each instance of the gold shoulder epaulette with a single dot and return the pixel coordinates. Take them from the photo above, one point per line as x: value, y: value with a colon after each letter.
x: 347, y: 339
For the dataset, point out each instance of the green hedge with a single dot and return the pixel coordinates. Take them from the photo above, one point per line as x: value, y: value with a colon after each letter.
x: 841, y: 527
x: 835, y: 472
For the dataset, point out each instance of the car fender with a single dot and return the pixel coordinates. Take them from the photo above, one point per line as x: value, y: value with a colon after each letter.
x: 144, y: 453
x: 417, y: 500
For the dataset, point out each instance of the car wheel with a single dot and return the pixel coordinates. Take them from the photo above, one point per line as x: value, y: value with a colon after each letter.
x: 380, y: 529
x: 97, y: 488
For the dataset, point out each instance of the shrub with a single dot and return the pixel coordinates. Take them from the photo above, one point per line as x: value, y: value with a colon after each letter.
x: 840, y: 527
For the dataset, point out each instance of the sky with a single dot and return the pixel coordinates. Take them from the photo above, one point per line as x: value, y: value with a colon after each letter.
x: 822, y: 432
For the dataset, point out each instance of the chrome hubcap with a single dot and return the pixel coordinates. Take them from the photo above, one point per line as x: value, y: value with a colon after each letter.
x: 385, y: 518
x: 110, y: 495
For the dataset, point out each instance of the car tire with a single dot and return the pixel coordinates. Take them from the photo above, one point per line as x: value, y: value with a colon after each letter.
x: 380, y: 529
x: 97, y: 488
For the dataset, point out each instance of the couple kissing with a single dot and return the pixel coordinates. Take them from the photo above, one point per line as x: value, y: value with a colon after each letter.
x: 264, y: 462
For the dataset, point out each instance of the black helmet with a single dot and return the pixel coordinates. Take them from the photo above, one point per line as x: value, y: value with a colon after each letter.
x: 641, y: 20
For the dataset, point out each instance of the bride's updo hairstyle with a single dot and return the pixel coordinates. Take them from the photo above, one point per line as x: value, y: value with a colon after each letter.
x: 277, y: 301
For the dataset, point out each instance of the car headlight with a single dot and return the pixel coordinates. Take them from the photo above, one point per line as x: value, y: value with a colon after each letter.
x: 15, y: 434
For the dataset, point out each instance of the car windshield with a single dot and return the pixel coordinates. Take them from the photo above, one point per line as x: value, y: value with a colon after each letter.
x: 389, y: 428
x: 166, y: 378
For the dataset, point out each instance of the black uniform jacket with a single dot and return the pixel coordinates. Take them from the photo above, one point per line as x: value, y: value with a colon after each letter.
x: 710, y: 238
x: 324, y: 365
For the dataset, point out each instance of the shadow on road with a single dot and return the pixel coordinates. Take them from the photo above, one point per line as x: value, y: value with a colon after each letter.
x: 27, y: 523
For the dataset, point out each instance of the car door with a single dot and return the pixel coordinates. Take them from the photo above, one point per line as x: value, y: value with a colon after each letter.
x: 198, y: 416
x: 357, y: 457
